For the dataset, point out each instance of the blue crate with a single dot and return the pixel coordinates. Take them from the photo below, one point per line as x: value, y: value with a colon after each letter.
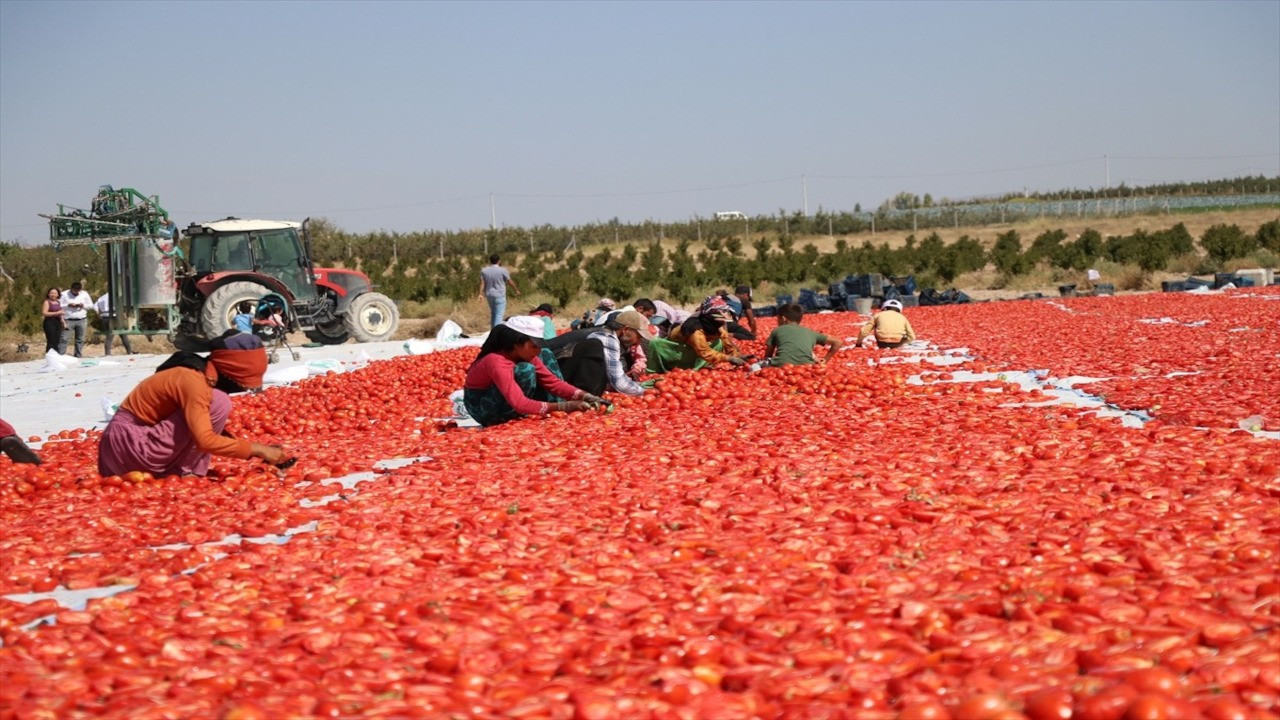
x: 865, y: 285
x: 808, y: 300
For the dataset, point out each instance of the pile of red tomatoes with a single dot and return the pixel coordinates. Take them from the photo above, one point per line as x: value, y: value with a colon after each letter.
x: 832, y: 541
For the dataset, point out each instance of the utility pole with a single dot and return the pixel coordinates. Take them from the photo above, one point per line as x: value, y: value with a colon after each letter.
x: 1106, y: 165
x: 804, y: 181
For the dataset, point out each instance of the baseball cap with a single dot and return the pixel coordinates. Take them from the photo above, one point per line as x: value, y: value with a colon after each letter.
x: 527, y: 325
x: 635, y: 321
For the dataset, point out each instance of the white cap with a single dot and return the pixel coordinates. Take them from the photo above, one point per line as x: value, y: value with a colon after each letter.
x: 892, y: 305
x: 526, y: 325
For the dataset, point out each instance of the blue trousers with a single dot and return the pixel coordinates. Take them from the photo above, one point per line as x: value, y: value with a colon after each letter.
x: 497, y: 307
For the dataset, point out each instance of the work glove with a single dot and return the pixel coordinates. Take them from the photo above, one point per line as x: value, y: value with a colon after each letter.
x: 737, y: 361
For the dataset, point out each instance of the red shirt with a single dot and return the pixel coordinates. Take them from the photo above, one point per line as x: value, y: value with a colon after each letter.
x: 495, y: 370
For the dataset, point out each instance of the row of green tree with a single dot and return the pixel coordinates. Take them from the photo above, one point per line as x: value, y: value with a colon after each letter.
x: 684, y: 274
x: 679, y: 271
x: 1247, y: 185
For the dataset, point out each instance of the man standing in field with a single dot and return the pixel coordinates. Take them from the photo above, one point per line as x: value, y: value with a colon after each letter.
x: 76, y: 302
x: 107, y: 317
x: 493, y: 288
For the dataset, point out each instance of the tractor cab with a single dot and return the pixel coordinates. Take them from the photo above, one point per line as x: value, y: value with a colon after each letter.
x: 265, y: 247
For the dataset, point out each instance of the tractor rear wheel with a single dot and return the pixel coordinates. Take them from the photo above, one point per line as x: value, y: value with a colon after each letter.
x: 371, y: 317
x: 334, y: 333
x: 218, y: 314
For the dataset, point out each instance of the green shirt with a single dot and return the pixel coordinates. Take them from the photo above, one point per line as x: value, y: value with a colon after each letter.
x: 794, y: 344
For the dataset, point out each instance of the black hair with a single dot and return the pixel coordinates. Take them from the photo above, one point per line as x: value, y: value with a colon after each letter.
x: 792, y: 312
x: 245, y: 306
x: 493, y: 258
x: 645, y: 304
x: 502, y: 339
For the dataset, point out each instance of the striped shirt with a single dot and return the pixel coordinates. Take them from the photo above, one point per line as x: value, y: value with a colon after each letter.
x: 613, y: 366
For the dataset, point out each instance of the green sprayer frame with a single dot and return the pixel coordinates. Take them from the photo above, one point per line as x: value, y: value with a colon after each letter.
x: 120, y: 219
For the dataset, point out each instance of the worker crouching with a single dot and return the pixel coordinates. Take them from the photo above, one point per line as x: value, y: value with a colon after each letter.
x: 172, y: 422
x: 890, y: 326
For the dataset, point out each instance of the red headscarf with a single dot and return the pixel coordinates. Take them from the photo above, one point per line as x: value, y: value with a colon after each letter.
x: 240, y: 358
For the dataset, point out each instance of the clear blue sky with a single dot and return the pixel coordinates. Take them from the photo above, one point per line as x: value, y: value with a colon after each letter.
x: 407, y: 115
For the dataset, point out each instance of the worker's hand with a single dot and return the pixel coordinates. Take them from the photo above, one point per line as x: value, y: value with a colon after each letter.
x: 649, y: 384
x: 273, y: 454
x: 593, y: 399
x: 574, y: 406
x: 737, y: 361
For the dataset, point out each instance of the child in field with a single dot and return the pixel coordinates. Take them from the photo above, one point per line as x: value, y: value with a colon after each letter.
x: 890, y: 326
x: 792, y: 343
x: 244, y: 317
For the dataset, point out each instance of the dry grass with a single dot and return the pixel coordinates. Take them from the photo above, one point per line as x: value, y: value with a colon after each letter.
x: 11, y: 341
x: 1262, y: 258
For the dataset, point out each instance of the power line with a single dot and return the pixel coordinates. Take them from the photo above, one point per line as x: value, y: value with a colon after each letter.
x: 645, y: 193
x: 958, y: 174
x: 363, y: 209
x: 1193, y: 157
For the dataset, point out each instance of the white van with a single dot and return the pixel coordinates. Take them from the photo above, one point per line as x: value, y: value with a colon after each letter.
x: 731, y: 215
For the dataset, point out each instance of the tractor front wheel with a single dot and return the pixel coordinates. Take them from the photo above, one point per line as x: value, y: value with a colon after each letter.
x: 220, y: 309
x: 371, y: 317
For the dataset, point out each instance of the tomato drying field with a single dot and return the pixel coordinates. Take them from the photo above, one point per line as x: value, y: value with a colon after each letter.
x: 868, y: 539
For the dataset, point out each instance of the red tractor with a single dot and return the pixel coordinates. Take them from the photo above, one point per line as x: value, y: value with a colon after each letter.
x: 233, y: 261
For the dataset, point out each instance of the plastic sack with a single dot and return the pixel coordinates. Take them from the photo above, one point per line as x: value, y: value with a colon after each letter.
x: 285, y: 374
x: 419, y: 347
x: 459, y: 407
x: 1253, y: 423
x: 322, y: 366
x: 53, y: 362
x: 450, y: 337
x: 109, y: 408
x: 450, y: 331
